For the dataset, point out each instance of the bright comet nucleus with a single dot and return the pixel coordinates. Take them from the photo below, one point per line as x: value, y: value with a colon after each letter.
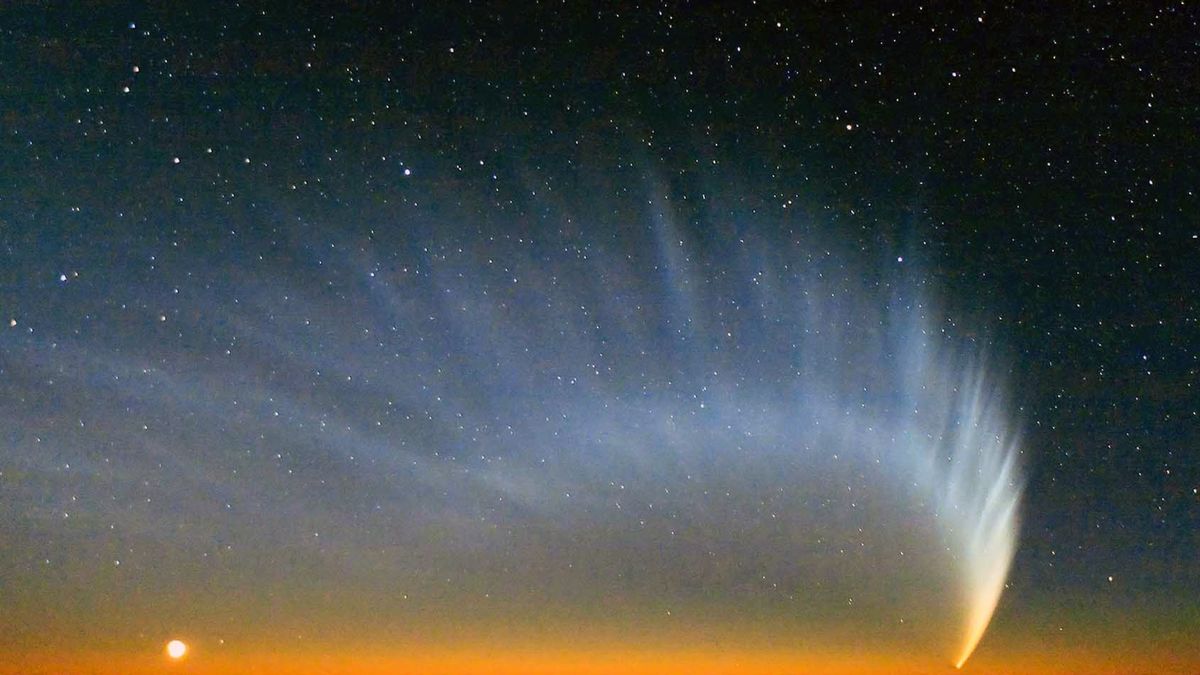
x: 176, y: 649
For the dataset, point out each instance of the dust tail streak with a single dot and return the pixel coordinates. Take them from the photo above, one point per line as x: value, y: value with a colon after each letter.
x: 975, y: 482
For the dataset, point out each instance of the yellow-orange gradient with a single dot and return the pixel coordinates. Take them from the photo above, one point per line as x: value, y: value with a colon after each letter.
x: 467, y: 662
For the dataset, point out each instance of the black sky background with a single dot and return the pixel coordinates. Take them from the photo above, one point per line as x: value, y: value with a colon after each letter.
x: 1042, y: 162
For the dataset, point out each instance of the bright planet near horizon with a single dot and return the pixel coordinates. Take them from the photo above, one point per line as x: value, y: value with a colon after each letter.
x: 599, y: 338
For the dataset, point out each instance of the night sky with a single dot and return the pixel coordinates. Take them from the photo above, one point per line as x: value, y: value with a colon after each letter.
x: 592, y: 338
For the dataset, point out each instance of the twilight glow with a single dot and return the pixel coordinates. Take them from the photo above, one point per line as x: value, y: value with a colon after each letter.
x: 530, y: 338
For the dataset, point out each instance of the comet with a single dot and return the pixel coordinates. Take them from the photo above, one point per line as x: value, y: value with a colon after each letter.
x: 958, y: 439
x: 975, y: 482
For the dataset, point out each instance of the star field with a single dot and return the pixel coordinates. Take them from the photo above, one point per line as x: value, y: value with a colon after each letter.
x: 592, y: 325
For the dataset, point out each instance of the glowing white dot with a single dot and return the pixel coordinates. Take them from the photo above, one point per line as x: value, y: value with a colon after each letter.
x: 176, y: 649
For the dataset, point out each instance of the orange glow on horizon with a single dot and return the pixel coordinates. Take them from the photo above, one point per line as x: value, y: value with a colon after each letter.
x: 598, y: 662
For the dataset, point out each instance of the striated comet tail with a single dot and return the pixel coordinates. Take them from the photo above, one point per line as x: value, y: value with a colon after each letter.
x: 978, y: 492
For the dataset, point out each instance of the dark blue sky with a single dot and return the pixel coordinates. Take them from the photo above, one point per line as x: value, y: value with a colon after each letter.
x: 228, y: 233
